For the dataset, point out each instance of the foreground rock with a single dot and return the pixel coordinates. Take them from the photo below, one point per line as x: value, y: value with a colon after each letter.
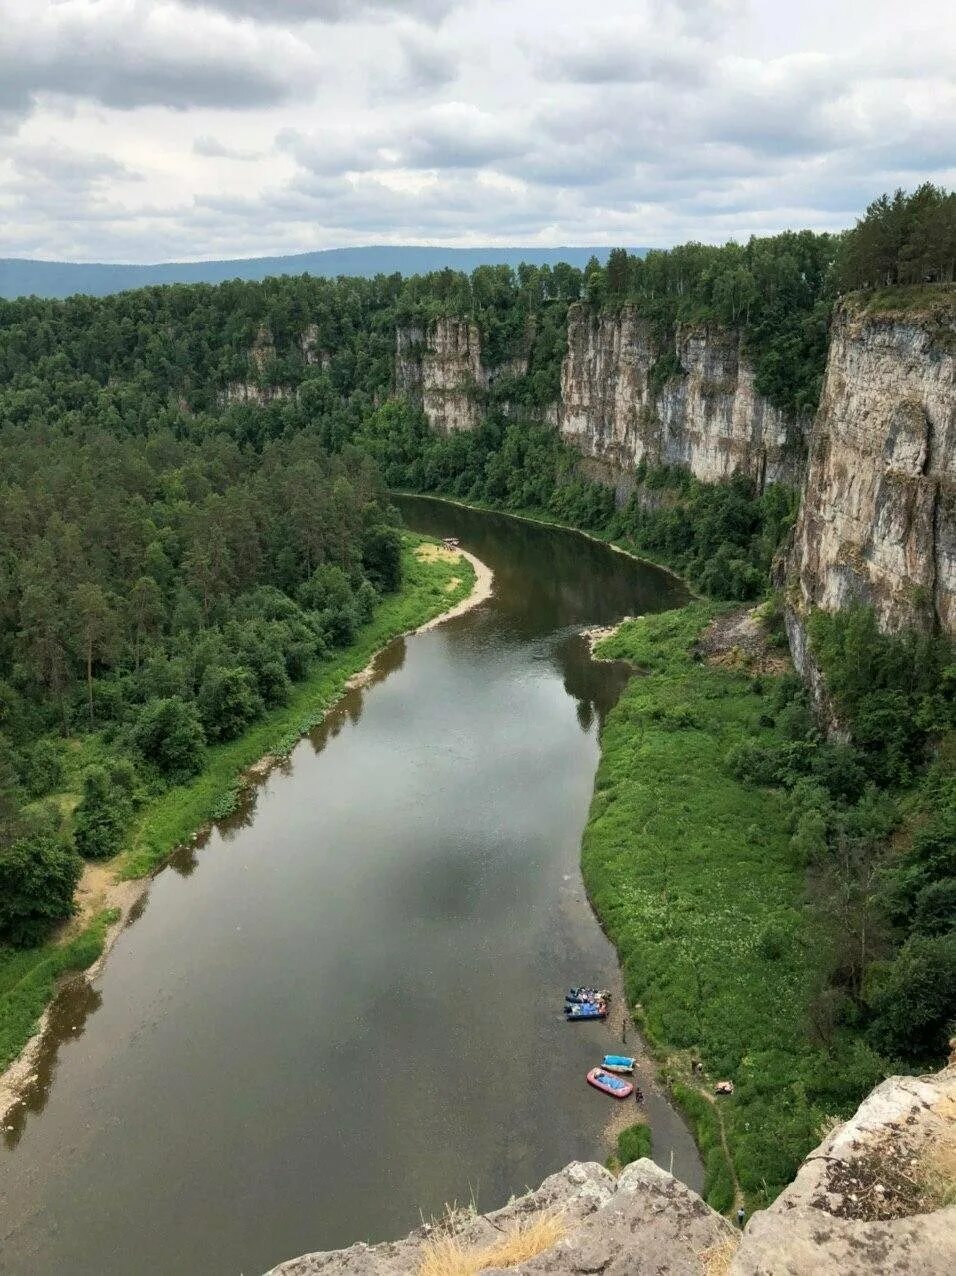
x: 869, y: 1198
x: 644, y: 1221
x: 872, y: 1198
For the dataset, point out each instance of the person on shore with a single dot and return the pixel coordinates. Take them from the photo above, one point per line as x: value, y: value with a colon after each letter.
x: 741, y: 1217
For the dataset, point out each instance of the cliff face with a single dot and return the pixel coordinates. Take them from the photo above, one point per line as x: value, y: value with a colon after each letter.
x: 707, y: 417
x: 440, y: 369
x: 869, y: 1199
x: 877, y: 522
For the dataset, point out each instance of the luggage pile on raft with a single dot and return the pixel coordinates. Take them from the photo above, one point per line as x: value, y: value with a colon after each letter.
x: 586, y: 1003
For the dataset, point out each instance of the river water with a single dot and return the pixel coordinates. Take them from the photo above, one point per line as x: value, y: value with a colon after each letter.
x: 343, y: 1010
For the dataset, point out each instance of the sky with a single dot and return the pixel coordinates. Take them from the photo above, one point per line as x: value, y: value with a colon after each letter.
x: 152, y: 130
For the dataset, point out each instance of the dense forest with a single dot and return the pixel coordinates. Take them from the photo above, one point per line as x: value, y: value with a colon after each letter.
x: 158, y: 593
x: 175, y: 553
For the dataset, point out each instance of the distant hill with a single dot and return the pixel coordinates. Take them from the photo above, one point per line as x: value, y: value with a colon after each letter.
x: 21, y: 276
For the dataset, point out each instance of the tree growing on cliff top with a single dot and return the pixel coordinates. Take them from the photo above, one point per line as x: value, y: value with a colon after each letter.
x: 902, y: 239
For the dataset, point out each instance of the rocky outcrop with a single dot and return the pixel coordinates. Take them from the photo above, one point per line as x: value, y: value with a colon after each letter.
x: 869, y: 1199
x: 643, y: 1222
x: 878, y: 519
x: 440, y: 370
x: 627, y: 397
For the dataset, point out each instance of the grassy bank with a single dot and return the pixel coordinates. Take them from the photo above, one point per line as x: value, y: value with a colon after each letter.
x: 28, y: 977
x: 693, y: 877
x: 28, y: 980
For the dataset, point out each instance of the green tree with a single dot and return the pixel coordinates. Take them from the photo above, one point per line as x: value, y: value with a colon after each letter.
x: 38, y: 875
x: 169, y: 734
x: 101, y: 817
x: 228, y: 702
x: 913, y: 1002
x: 96, y: 628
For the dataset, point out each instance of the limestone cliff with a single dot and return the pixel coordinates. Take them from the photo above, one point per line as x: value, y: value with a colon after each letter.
x: 877, y: 522
x: 440, y: 368
x: 871, y: 1198
x: 614, y: 406
x: 626, y: 397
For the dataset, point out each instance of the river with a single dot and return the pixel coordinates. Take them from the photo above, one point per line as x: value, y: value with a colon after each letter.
x: 342, y: 1010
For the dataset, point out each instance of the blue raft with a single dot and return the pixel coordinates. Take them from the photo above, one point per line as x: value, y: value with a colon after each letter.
x: 589, y: 1010
x: 618, y: 1063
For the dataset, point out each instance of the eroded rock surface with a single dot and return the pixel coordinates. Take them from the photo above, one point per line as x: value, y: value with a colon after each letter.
x: 643, y: 1222
x: 863, y: 1201
x: 877, y: 521
x: 618, y: 407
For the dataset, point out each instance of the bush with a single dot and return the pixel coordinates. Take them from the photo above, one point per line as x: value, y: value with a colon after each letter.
x: 101, y: 817
x: 228, y: 702
x: 168, y: 734
x: 634, y: 1143
x: 41, y: 768
x: 38, y: 875
x: 913, y: 1001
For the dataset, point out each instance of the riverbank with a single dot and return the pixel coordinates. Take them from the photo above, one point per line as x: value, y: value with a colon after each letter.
x: 692, y: 874
x: 437, y: 586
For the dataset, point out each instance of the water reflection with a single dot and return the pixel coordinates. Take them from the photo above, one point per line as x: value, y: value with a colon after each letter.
x: 67, y: 1021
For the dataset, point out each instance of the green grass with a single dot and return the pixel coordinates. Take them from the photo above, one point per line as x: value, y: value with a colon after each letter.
x: 634, y: 1143
x: 28, y: 980
x: 905, y: 299
x: 692, y: 875
x: 705, y: 1122
x: 169, y: 820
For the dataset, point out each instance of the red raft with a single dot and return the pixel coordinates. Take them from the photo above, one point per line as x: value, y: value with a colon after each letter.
x: 608, y: 1083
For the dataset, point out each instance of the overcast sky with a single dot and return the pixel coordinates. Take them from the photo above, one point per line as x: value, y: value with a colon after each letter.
x: 147, y: 130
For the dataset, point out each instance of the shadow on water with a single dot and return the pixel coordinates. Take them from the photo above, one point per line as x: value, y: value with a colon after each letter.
x: 342, y: 1006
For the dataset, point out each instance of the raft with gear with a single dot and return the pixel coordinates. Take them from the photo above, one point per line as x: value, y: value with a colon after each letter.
x: 610, y: 1084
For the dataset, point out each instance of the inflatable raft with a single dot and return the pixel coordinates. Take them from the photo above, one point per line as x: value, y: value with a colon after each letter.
x: 618, y: 1063
x: 587, y: 1010
x: 608, y: 1083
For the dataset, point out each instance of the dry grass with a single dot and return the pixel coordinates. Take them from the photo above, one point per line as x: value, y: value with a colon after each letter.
x: 715, y: 1260
x: 447, y: 1256
x: 939, y: 1174
x: 828, y: 1125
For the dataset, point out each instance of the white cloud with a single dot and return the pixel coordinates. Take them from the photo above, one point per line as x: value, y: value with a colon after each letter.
x: 188, y: 129
x: 130, y: 53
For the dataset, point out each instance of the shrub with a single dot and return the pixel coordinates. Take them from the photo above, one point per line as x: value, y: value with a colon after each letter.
x: 634, y: 1143
x: 101, y: 817
x: 228, y: 702
x: 38, y: 875
x: 168, y: 734
x: 41, y: 768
